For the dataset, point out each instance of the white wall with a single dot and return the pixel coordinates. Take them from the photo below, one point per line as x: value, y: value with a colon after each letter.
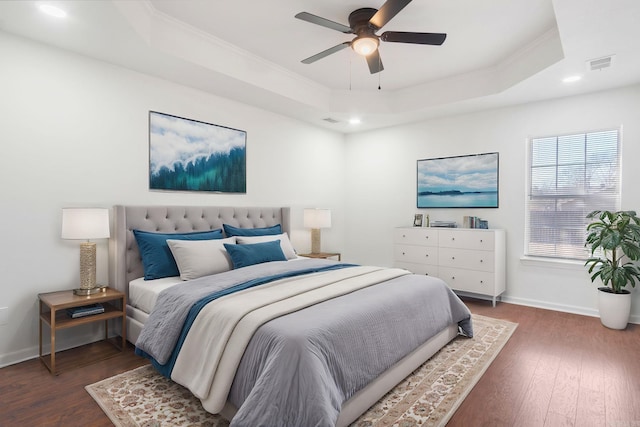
x: 381, y: 184
x: 74, y: 132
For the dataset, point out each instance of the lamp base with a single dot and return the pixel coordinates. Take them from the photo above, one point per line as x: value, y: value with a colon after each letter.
x: 89, y: 291
x: 315, y: 240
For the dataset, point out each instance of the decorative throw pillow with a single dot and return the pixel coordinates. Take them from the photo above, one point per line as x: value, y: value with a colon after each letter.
x: 246, y: 255
x: 197, y: 258
x: 285, y: 243
x: 230, y: 230
x: 157, y: 259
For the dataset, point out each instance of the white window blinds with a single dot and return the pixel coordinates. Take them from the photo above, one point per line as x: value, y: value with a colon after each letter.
x: 569, y: 176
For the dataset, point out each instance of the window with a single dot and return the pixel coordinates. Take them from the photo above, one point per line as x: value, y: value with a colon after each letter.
x: 569, y: 176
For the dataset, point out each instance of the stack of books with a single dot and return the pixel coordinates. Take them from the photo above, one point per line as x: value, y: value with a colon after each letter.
x: 85, y: 310
x: 447, y: 224
x: 474, y: 222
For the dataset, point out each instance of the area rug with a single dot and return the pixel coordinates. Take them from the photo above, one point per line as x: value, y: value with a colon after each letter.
x: 427, y: 397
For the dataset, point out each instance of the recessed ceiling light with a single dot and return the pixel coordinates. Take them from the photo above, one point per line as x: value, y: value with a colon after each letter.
x: 52, y: 10
x: 355, y: 121
x: 571, y: 79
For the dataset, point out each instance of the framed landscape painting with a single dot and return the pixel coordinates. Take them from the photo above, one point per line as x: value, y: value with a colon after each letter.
x: 189, y: 155
x: 469, y: 181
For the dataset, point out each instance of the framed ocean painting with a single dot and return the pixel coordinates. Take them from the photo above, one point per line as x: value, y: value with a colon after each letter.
x: 469, y: 181
x: 189, y: 155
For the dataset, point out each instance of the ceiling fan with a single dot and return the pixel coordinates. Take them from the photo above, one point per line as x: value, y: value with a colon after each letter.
x: 364, y: 23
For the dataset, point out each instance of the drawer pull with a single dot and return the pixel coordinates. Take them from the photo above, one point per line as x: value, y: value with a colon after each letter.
x: 480, y: 240
x: 481, y: 281
x: 453, y: 257
x: 453, y: 277
x: 427, y: 255
x: 453, y: 238
x: 403, y: 253
x: 481, y: 261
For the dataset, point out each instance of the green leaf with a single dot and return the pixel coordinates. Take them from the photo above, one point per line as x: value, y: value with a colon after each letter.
x: 615, y: 233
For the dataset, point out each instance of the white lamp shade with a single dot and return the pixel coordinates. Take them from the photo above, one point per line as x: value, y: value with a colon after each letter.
x: 85, y: 223
x: 317, y: 218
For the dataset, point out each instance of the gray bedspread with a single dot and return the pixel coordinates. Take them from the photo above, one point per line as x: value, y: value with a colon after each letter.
x: 298, y: 369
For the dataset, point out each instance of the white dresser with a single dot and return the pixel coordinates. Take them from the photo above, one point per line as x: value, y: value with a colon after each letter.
x: 468, y: 260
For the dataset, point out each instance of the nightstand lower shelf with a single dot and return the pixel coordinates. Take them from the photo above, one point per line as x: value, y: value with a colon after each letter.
x: 84, y: 355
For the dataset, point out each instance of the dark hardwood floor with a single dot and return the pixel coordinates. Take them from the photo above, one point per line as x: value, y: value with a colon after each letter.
x: 557, y: 370
x: 31, y: 396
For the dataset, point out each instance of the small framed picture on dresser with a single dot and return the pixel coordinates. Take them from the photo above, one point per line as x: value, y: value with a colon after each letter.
x: 417, y: 220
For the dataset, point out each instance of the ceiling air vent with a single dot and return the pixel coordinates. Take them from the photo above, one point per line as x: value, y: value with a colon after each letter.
x: 330, y: 120
x: 600, y: 63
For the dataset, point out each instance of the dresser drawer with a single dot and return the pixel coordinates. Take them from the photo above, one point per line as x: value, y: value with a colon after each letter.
x: 416, y: 254
x: 467, y: 239
x: 429, y: 270
x: 416, y: 236
x: 479, y: 282
x: 466, y: 259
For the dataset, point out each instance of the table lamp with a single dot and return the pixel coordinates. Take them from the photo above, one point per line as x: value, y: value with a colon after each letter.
x: 315, y: 219
x: 86, y: 224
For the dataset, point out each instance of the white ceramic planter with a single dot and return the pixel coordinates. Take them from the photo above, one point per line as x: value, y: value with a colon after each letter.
x: 614, y: 309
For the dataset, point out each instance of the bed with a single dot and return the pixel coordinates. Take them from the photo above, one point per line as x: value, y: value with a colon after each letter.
x: 145, y: 299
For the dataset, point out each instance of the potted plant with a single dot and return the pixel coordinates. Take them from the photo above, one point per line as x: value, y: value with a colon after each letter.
x: 614, y: 239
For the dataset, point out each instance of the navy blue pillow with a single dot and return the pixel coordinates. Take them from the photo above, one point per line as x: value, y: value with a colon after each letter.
x: 230, y: 230
x: 256, y: 253
x: 157, y: 259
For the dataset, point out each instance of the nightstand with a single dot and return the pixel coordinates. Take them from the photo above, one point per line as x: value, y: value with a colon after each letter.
x: 324, y: 255
x: 53, y: 312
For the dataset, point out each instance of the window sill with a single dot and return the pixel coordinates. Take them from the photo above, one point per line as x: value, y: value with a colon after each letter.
x: 565, y: 264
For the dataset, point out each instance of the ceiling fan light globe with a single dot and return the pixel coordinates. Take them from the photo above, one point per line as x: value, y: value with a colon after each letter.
x: 365, y: 45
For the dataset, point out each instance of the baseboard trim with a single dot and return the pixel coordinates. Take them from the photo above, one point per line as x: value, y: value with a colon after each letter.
x: 634, y: 318
x: 18, y: 356
x: 61, y: 345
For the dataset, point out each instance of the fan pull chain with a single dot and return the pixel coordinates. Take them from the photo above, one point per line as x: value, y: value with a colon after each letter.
x: 379, y: 72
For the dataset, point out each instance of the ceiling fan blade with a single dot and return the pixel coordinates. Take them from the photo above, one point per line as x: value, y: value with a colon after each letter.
x: 387, y: 12
x: 324, y: 53
x: 374, y: 62
x: 417, y: 38
x: 305, y: 16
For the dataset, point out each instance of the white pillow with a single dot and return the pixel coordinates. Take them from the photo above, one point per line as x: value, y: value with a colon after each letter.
x: 285, y: 243
x: 197, y: 258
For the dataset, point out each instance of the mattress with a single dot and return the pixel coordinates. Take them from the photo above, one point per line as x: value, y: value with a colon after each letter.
x: 144, y: 293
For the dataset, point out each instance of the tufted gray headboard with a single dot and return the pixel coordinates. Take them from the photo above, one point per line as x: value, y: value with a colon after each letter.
x: 124, y: 259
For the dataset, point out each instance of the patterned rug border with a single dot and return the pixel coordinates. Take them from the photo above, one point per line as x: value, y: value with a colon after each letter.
x: 93, y: 390
x: 511, y: 328
x: 120, y: 417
